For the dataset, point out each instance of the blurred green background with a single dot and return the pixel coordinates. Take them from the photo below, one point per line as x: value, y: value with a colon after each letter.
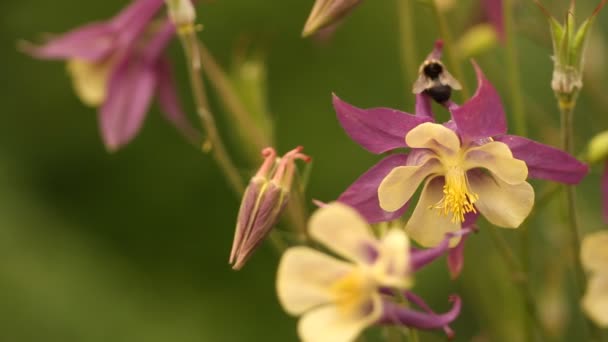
x: 133, y: 246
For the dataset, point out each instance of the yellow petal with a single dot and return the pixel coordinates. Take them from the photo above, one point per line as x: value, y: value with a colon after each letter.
x: 594, y: 252
x: 428, y: 226
x: 433, y: 136
x: 595, y: 301
x: 344, y: 231
x: 305, y: 278
x: 392, y: 268
x: 90, y: 80
x: 497, y: 158
x: 401, y: 183
x: 502, y: 204
x: 330, y: 324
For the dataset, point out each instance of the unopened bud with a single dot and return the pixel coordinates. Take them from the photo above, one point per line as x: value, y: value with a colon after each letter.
x: 477, y: 40
x: 182, y: 13
x: 598, y: 148
x: 263, y: 203
x: 327, y: 12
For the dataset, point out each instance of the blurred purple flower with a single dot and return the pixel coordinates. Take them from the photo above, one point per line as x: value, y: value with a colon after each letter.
x: 493, y: 10
x: 119, y: 66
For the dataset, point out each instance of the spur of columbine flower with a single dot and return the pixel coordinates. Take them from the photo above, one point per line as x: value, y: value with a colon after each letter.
x: 263, y: 202
x: 339, y: 298
x: 594, y: 257
x: 119, y: 66
x: 468, y: 166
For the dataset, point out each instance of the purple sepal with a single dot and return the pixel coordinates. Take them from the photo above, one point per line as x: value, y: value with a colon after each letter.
x: 605, y: 193
x: 419, y: 302
x: 378, y: 130
x: 482, y: 115
x: 545, y: 162
x: 422, y: 257
x: 494, y: 15
x: 456, y: 259
x: 395, y: 314
x: 363, y: 193
x: 424, y: 106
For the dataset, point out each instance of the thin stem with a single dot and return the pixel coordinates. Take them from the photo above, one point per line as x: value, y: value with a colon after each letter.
x: 407, y: 40
x: 214, y: 141
x: 566, y: 104
x: 446, y: 35
x: 520, y: 279
x: 513, y: 70
x: 413, y: 335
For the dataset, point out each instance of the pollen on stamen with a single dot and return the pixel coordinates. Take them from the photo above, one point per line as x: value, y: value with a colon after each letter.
x: 457, y: 198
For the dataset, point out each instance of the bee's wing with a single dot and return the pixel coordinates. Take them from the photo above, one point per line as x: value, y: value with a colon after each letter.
x: 447, y: 79
x: 422, y: 83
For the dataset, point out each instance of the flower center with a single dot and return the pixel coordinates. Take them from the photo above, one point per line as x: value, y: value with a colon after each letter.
x: 351, y: 291
x: 457, y: 197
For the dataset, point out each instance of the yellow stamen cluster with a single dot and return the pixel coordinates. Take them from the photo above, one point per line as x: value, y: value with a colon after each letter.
x: 350, y: 291
x: 457, y: 198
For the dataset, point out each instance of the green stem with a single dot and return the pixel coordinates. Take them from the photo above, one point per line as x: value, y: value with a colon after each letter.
x: 566, y: 104
x: 214, y: 141
x: 407, y: 40
x: 446, y: 35
x: 520, y: 279
x: 513, y: 70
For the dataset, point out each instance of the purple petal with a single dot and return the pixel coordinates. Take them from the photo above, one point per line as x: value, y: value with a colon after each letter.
x: 605, y: 192
x: 155, y: 48
x: 437, y: 50
x: 363, y: 193
x: 413, y: 298
x: 378, y: 130
x: 395, y: 314
x: 483, y: 115
x: 91, y: 42
x: 133, y: 19
x: 494, y: 15
x: 546, y: 162
x: 456, y: 259
x: 423, y: 106
x: 130, y: 92
x: 170, y: 104
x: 423, y: 257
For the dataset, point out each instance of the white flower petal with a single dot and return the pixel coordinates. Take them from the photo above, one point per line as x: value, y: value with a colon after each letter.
x: 392, y: 268
x: 329, y: 324
x: 401, y: 183
x: 305, y: 277
x: 435, y: 137
x: 429, y: 226
x: 595, y: 301
x: 497, y: 158
x: 502, y: 204
x: 594, y: 252
x: 344, y: 231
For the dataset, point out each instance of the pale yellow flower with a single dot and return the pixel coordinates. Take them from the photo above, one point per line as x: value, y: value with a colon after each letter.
x: 594, y: 256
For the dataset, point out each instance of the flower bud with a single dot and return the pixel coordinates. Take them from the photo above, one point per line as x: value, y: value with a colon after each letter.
x: 263, y: 202
x: 477, y: 40
x: 182, y: 13
x: 598, y: 148
x: 569, y: 45
x: 327, y: 12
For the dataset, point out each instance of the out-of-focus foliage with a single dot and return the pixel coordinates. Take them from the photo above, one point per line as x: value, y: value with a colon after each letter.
x: 134, y: 246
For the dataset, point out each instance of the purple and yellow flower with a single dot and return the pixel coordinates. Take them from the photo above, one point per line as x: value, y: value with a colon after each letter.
x: 467, y: 166
x: 263, y: 203
x: 339, y: 298
x: 119, y: 66
x: 594, y: 257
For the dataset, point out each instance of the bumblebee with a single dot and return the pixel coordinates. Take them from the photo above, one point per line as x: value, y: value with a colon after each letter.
x: 435, y: 81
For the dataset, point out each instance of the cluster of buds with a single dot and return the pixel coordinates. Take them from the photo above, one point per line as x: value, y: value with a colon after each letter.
x: 263, y: 202
x: 569, y: 45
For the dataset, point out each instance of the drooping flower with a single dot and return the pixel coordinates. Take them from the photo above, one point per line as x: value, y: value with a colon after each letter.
x: 594, y: 257
x: 119, y: 66
x: 339, y: 298
x: 467, y: 166
x: 263, y: 202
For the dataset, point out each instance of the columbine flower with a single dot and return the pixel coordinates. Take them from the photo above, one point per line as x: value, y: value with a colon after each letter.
x: 337, y: 298
x: 468, y: 165
x: 327, y: 13
x: 118, y: 65
x: 263, y: 202
x: 594, y: 257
